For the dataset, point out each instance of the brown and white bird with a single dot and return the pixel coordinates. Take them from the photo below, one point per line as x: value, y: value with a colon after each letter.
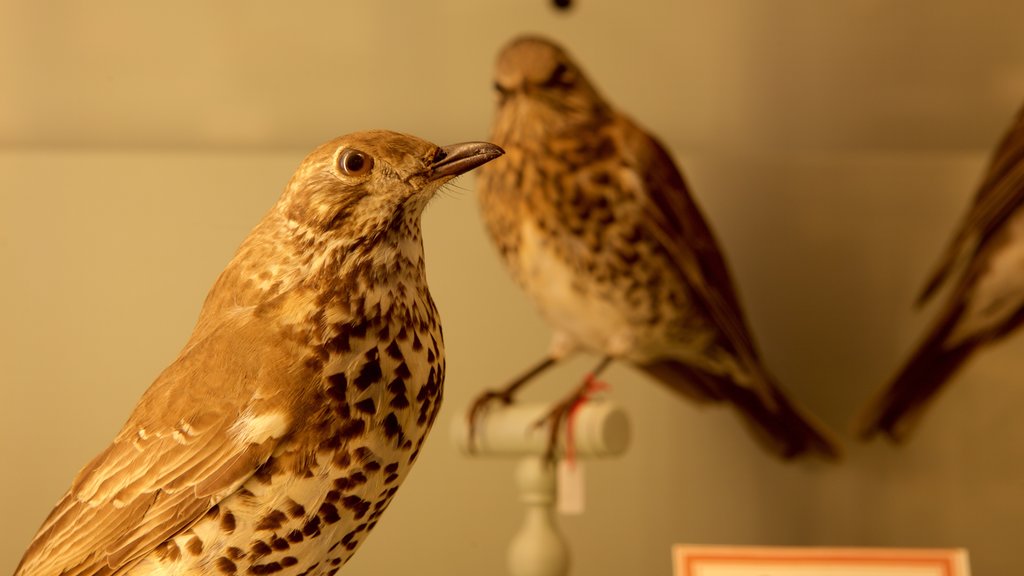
x: 594, y: 221
x: 985, y: 265
x: 281, y: 432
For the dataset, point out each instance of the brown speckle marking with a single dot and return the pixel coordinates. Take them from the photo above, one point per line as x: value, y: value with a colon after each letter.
x: 353, y: 428
x: 343, y: 459
x: 355, y: 532
x: 225, y: 566
x: 289, y: 561
x: 329, y: 512
x: 272, y: 521
x: 194, y: 546
x: 332, y: 442
x: 359, y: 506
x: 295, y: 536
x: 268, y: 568
x: 367, y: 406
x: 394, y: 350
x: 370, y: 373
x: 397, y: 388
x: 312, y: 527
x: 168, y: 551
x: 358, y: 329
x: 235, y: 553
x: 260, y: 548
x: 296, y: 510
x: 339, y: 344
x: 227, y: 522
x: 279, y: 544
x: 392, y: 429
x: 402, y: 371
x: 337, y: 386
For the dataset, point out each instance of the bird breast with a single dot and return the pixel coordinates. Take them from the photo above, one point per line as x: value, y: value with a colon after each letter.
x: 566, y: 299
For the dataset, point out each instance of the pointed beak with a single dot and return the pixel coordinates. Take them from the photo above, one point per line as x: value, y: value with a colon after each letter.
x: 450, y: 161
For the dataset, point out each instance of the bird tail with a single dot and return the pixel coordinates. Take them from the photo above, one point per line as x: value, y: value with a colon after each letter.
x: 780, y: 426
x: 897, y: 407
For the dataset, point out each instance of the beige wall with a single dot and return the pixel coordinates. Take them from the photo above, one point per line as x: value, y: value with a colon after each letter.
x: 832, y: 144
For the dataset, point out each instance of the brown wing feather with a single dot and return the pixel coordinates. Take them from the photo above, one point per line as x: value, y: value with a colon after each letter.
x: 1000, y: 193
x: 677, y: 221
x: 149, y: 485
x: 674, y: 218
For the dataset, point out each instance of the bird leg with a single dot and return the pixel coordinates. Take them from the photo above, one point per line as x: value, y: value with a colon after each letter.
x: 505, y: 395
x: 566, y: 410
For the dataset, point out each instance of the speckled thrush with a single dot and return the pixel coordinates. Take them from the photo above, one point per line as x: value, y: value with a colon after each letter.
x: 595, y: 223
x: 985, y: 303
x: 277, y: 438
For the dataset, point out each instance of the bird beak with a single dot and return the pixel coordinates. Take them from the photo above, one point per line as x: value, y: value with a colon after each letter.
x: 458, y: 159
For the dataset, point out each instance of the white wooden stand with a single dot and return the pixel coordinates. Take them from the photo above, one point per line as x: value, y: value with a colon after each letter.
x: 600, y: 429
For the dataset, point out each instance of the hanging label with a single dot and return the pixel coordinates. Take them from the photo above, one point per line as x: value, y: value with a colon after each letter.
x: 571, y: 496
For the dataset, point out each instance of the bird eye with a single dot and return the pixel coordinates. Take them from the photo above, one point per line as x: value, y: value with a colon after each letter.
x: 560, y: 77
x: 354, y: 163
x: 439, y: 155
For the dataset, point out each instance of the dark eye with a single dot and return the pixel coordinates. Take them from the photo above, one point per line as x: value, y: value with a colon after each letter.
x: 354, y: 163
x: 560, y: 77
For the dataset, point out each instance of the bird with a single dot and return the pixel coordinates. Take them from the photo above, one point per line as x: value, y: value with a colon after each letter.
x: 983, y: 266
x: 595, y: 222
x: 281, y: 432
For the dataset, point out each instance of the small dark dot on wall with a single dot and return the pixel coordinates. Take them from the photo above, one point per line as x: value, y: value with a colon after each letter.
x: 563, y: 4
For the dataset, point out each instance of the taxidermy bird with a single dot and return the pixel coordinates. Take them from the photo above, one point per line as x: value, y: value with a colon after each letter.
x: 984, y: 265
x: 279, y: 435
x: 594, y: 221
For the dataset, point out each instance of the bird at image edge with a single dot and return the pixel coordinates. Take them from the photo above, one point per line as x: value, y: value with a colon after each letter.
x: 595, y: 222
x: 279, y: 435
x: 985, y: 302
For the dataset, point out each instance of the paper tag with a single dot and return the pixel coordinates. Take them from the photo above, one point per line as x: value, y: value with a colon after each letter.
x: 571, y: 495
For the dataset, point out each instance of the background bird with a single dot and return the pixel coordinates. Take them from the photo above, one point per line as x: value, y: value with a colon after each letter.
x: 985, y: 304
x: 281, y: 432
x: 594, y: 221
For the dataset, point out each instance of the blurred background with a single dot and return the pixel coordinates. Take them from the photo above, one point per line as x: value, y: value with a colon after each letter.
x: 833, y: 146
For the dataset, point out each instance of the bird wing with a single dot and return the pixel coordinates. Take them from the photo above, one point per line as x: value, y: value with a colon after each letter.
x: 1000, y: 193
x: 179, y: 454
x: 676, y: 220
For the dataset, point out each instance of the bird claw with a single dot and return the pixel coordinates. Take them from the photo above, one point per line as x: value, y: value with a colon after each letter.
x: 565, y: 410
x: 479, y: 408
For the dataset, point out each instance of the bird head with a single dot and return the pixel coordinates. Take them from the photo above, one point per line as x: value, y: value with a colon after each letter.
x: 366, y: 183
x: 536, y: 77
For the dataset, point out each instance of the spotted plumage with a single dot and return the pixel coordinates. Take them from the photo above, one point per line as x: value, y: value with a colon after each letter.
x: 984, y: 264
x: 596, y: 224
x: 276, y: 439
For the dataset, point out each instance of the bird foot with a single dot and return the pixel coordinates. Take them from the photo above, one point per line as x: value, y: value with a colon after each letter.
x: 479, y: 407
x: 565, y: 410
